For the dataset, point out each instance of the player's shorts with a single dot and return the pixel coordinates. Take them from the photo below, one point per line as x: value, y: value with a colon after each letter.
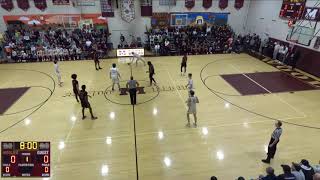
x: 183, y: 65
x: 85, y: 104
x: 75, y: 91
x: 192, y: 110
x: 115, y: 80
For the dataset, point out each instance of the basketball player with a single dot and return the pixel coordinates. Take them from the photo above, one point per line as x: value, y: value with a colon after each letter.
x: 191, y: 102
x: 184, y: 64
x: 83, y: 95
x: 275, y: 138
x: 190, y: 83
x: 75, y: 86
x: 114, y: 76
x: 138, y: 58
x: 57, y: 71
x: 96, y: 60
x: 151, y: 73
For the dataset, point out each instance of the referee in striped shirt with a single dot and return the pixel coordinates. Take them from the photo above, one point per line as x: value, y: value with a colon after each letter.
x: 275, y: 138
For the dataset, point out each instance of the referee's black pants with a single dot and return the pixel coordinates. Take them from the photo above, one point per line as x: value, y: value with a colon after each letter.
x: 133, y: 96
x: 272, y: 150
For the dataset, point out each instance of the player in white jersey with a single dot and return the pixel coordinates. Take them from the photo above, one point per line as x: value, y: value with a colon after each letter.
x: 192, y: 108
x: 138, y: 58
x: 190, y: 83
x: 114, y: 76
x: 57, y: 71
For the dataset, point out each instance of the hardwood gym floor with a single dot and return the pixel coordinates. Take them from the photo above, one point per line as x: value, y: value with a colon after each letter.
x: 230, y: 140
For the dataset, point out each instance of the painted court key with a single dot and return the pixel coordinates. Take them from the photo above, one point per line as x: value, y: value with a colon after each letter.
x: 25, y: 159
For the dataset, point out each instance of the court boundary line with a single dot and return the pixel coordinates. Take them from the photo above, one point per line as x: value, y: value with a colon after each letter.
x: 40, y: 106
x: 282, y: 100
x: 244, y: 109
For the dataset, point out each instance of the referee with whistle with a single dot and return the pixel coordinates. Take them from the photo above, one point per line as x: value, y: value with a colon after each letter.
x: 275, y: 138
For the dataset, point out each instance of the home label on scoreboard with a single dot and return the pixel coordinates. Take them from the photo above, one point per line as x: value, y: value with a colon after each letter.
x: 25, y: 159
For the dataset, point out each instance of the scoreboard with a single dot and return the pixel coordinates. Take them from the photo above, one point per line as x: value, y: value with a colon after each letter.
x: 292, y: 9
x: 25, y: 159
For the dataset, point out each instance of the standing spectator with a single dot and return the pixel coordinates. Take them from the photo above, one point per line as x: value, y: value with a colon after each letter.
x: 132, y: 86
x: 276, y: 50
x: 295, y: 58
x: 275, y: 138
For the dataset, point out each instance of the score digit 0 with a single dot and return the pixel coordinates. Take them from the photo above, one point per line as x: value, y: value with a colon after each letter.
x: 46, y: 169
x: 13, y: 159
x: 46, y: 159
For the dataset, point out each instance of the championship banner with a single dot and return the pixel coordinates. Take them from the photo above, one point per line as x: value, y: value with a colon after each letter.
x: 66, y: 20
x: 23, y: 4
x: 167, y: 2
x: 7, y: 4
x: 61, y: 2
x: 85, y: 2
x: 40, y: 4
x: 127, y: 10
x: 207, y: 4
x: 106, y: 8
x: 238, y: 4
x: 223, y: 4
x: 146, y: 7
x: 189, y: 4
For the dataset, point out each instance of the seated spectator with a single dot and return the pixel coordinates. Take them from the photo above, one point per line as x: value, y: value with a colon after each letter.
x: 307, y: 169
x: 317, y: 168
x: 270, y: 174
x: 287, y: 175
x: 213, y: 178
x: 297, y: 172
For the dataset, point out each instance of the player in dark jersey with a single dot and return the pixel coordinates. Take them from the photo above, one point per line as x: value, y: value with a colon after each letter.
x: 184, y: 64
x: 75, y: 86
x: 83, y: 95
x: 151, y: 73
x: 96, y: 60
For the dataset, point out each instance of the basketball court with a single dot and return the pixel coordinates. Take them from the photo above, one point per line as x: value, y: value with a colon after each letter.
x: 240, y: 98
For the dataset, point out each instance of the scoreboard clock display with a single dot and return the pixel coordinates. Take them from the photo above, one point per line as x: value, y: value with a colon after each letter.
x: 25, y: 159
x: 292, y: 9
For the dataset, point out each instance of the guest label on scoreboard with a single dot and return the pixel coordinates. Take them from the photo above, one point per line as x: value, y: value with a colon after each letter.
x: 25, y: 159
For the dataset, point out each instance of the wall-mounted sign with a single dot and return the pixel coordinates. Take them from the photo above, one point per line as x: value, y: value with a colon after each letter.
x: 128, y: 52
x: 311, y: 13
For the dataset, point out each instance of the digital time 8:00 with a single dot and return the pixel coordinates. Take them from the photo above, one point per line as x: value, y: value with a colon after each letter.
x: 28, y: 145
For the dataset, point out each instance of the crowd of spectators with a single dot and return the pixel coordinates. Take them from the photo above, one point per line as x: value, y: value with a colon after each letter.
x: 203, y: 39
x: 22, y: 44
x: 297, y: 171
x: 191, y: 39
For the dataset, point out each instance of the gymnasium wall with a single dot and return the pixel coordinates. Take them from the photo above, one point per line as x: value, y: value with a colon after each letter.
x: 137, y: 27
x: 263, y: 19
x: 51, y: 9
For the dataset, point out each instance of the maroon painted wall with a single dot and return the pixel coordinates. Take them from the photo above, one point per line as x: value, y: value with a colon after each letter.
x: 309, y: 60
